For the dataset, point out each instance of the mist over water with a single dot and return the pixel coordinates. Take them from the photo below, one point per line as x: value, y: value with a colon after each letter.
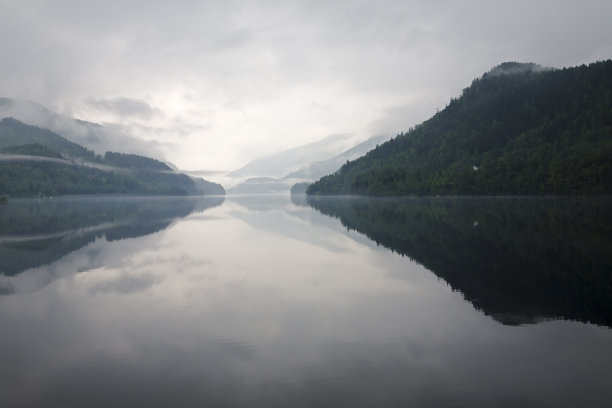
x: 264, y: 301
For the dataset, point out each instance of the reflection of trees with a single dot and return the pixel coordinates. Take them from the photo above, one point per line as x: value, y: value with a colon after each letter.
x: 517, y: 259
x: 39, y: 232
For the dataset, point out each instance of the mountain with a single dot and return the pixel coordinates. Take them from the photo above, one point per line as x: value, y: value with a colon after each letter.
x: 518, y: 129
x: 205, y: 187
x: 36, y: 161
x: 261, y: 185
x: 15, y: 133
x: 299, y: 189
x: 307, y: 162
x: 282, y: 163
x: 93, y: 136
x: 134, y: 161
x: 34, y: 149
x: 320, y: 168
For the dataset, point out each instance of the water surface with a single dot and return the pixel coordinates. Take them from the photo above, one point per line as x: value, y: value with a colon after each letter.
x: 264, y: 301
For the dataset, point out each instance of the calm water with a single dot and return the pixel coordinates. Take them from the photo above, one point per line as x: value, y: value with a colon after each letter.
x: 264, y: 301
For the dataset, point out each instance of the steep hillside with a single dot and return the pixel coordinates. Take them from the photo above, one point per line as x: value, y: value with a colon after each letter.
x: 95, y: 137
x: 35, y: 161
x: 519, y: 129
x: 34, y: 149
x: 15, y: 133
x: 134, y: 161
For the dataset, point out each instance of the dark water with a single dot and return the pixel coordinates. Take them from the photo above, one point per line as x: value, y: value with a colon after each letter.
x: 328, y: 302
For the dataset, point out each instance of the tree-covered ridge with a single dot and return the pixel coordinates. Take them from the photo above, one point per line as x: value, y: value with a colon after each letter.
x: 80, y: 171
x: 34, y: 149
x: 519, y: 129
x: 16, y: 133
x: 25, y: 178
x: 134, y: 161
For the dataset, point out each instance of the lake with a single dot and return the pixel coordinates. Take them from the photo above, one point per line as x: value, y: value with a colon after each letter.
x: 272, y: 301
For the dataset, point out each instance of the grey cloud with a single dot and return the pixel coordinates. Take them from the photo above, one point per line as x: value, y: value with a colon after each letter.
x: 509, y: 68
x: 125, y: 107
x: 304, y: 41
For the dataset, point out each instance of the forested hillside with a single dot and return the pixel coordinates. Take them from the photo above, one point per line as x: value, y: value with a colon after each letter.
x: 36, y: 161
x: 519, y: 129
x: 134, y: 161
x: 15, y: 133
x: 34, y: 149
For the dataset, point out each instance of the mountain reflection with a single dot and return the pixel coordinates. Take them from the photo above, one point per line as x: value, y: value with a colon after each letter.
x: 519, y: 260
x: 39, y: 232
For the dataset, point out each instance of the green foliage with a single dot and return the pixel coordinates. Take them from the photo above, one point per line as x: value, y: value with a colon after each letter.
x: 15, y: 133
x: 52, y: 169
x: 134, y: 161
x: 30, y: 178
x: 35, y: 149
x: 517, y: 130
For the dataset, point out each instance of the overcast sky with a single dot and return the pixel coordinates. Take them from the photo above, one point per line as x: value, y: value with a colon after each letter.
x: 218, y: 83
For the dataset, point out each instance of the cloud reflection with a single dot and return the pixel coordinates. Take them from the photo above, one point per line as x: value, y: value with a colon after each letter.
x: 219, y: 313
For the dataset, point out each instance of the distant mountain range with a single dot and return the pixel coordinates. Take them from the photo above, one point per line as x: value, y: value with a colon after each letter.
x: 282, y: 163
x: 276, y: 173
x: 35, y: 161
x: 518, y: 129
x: 319, y: 168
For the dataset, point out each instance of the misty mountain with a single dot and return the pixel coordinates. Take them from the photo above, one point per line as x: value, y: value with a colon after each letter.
x: 14, y: 133
x: 34, y: 149
x: 518, y: 129
x: 283, y: 163
x: 299, y: 189
x: 307, y: 162
x: 317, y: 169
x: 134, y: 161
x: 261, y: 185
x: 36, y: 161
x: 93, y: 136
